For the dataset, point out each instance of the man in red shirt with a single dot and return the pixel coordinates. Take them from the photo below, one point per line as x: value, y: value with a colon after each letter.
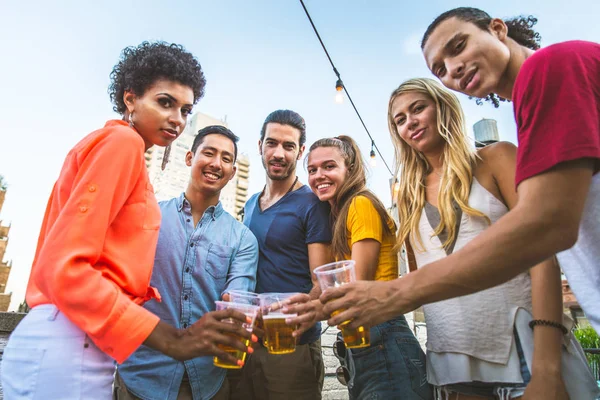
x: 556, y: 98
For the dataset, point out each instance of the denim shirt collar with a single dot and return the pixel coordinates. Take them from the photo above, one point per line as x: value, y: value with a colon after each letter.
x: 214, y: 211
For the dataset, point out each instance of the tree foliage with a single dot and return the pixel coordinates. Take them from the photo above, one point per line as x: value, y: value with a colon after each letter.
x: 589, y: 339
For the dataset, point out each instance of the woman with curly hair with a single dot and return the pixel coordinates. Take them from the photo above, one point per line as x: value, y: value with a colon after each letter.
x: 95, y: 252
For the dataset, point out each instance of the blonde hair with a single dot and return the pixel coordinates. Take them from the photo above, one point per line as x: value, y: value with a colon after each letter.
x: 354, y: 185
x: 459, y: 160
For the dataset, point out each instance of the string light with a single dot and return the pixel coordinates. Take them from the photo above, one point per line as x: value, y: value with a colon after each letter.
x: 396, y: 189
x: 339, y: 95
x: 374, y: 147
x: 373, y: 160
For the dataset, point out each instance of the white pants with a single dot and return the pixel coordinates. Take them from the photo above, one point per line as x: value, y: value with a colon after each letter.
x: 48, y: 357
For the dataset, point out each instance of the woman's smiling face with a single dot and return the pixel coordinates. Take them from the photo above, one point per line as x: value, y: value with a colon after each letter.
x: 327, y: 171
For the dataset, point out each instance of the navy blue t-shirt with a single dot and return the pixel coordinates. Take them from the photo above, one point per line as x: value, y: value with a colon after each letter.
x: 284, y: 232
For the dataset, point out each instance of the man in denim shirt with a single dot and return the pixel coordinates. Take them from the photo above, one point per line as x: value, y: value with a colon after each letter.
x: 202, y: 252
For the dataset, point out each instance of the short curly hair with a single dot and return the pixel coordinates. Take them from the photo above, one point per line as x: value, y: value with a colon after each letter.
x: 141, y: 66
x: 519, y: 29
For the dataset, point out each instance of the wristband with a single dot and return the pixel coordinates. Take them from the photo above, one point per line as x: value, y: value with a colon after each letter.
x: 552, y: 324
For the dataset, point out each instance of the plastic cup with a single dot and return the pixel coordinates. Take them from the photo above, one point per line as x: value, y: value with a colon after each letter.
x: 337, y: 274
x: 278, y: 335
x: 250, y: 311
x: 243, y: 297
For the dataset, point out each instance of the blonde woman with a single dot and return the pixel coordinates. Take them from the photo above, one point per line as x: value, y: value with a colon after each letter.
x: 448, y: 194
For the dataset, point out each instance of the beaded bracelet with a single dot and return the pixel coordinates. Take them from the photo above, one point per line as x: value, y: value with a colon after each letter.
x: 553, y: 324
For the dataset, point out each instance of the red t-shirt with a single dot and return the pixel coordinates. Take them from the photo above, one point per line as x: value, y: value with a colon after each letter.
x: 556, y: 100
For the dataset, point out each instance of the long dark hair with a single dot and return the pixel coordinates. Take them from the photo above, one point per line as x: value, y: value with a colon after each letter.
x: 354, y: 185
x: 519, y: 29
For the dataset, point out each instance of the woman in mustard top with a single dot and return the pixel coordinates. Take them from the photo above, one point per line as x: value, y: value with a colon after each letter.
x: 95, y: 252
x: 393, y: 366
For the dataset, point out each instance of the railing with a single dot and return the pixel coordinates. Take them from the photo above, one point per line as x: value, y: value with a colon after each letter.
x: 593, y: 357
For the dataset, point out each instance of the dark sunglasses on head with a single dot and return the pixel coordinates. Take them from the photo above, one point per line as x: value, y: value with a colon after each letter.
x: 341, y: 373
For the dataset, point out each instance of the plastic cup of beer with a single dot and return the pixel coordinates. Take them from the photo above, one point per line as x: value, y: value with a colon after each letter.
x: 250, y: 311
x: 278, y: 335
x: 336, y: 274
x: 242, y: 296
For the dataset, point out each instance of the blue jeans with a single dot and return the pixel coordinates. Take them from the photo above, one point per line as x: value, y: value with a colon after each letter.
x: 392, y: 367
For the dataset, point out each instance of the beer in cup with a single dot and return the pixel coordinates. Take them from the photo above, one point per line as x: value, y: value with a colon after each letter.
x: 336, y: 274
x: 250, y: 311
x: 241, y: 296
x: 278, y: 335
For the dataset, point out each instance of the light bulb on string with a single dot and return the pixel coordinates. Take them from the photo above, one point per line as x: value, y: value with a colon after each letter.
x: 373, y: 160
x: 339, y: 92
x: 396, y: 189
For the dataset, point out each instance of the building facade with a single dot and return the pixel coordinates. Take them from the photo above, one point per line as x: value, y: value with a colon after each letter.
x: 173, y: 180
x: 571, y: 307
x: 235, y: 193
x: 5, y: 267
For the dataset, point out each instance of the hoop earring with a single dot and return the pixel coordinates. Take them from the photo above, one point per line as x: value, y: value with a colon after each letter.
x: 130, y: 120
x: 165, y: 159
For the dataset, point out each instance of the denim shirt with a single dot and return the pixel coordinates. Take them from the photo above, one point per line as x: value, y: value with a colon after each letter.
x: 193, y: 267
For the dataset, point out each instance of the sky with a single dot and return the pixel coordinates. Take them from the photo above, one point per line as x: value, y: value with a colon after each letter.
x: 258, y: 56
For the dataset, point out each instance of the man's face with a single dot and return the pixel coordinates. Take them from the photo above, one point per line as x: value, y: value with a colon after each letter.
x: 466, y: 58
x: 212, y: 164
x: 280, y: 150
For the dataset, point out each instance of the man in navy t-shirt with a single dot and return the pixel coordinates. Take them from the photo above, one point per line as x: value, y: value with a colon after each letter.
x: 293, y: 232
